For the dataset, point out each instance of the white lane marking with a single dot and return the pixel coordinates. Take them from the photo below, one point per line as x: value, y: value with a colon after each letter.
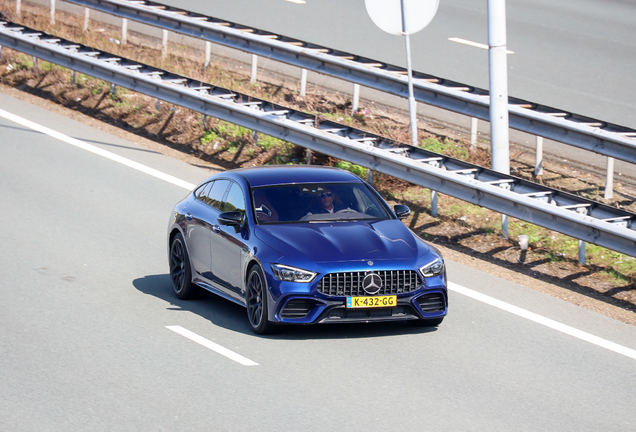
x: 98, y: 151
x: 474, y: 44
x: 213, y: 346
x: 452, y: 286
x: 555, y: 325
x: 296, y: 1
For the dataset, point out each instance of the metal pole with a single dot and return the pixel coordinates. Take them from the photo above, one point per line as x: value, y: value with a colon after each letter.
x: 433, y: 203
x: 412, y: 105
x: 124, y: 31
x: 208, y: 53
x: 164, y: 43
x: 254, y: 69
x: 498, y: 77
x: 303, y: 82
x: 474, y: 124
x: 52, y: 12
x: 609, y: 179
x: 356, y: 99
x: 87, y: 17
x: 581, y: 252
x: 538, y: 164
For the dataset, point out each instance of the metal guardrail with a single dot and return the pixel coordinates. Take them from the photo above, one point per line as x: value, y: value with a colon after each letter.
x: 587, y: 133
x: 571, y: 215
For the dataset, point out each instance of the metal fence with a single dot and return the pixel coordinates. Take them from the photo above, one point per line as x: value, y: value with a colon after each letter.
x: 571, y: 215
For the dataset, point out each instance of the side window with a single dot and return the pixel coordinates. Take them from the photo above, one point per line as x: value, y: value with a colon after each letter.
x: 235, y: 200
x: 202, y: 192
x: 215, y: 196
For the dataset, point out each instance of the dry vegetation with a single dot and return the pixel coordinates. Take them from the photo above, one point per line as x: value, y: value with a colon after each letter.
x: 466, y: 233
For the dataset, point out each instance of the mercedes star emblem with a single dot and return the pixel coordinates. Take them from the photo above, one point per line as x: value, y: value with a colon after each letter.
x: 372, y: 283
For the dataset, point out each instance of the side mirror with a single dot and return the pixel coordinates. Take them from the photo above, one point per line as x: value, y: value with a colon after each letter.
x: 401, y: 211
x: 231, y: 218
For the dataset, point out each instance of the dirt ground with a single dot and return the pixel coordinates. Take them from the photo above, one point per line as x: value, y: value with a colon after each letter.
x: 465, y: 234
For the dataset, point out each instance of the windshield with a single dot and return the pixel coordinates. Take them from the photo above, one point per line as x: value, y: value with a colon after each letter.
x: 316, y: 202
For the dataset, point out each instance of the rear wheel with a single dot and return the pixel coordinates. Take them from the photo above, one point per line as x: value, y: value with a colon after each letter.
x: 180, y: 273
x: 256, y: 302
x: 426, y: 322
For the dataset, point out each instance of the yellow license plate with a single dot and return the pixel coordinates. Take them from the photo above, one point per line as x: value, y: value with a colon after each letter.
x: 371, y: 302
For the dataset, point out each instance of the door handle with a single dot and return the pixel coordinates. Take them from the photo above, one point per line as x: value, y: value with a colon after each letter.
x: 188, y: 216
x: 216, y: 229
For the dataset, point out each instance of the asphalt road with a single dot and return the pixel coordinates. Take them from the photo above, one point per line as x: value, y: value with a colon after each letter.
x: 85, y: 302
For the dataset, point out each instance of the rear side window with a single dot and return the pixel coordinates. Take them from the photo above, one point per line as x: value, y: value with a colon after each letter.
x: 202, y: 192
x: 235, y: 200
x: 216, y: 193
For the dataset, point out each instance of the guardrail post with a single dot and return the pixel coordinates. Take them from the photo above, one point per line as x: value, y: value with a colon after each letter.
x: 35, y: 65
x: 474, y: 124
x: 208, y: 53
x: 164, y: 43
x: 124, y: 31
x: 18, y: 7
x: 52, y: 12
x: 303, y: 82
x: 0, y: 52
x: 308, y: 157
x: 504, y: 226
x: 369, y: 176
x: 113, y: 89
x: 581, y: 252
x: 255, y: 137
x: 538, y: 161
x: 356, y: 99
x: 609, y: 179
x: 73, y: 77
x: 254, y: 69
x: 433, y: 203
x: 87, y: 17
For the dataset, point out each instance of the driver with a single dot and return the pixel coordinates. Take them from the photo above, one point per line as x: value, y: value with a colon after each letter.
x: 327, y: 203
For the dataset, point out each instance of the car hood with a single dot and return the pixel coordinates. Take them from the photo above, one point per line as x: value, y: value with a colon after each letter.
x: 344, y: 241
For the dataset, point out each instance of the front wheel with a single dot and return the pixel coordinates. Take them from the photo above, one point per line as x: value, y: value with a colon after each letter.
x: 426, y: 322
x: 256, y: 302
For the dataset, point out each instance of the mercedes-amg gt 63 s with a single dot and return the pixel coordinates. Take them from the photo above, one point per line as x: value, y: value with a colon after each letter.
x: 304, y: 245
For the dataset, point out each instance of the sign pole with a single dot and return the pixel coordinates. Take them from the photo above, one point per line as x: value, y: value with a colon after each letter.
x: 412, y: 103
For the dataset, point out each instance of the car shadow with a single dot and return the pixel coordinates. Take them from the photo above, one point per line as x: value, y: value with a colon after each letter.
x: 229, y: 315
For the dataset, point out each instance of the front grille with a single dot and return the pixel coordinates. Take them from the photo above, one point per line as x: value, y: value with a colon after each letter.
x: 433, y: 302
x: 297, y: 308
x: 350, y: 283
x: 367, y: 314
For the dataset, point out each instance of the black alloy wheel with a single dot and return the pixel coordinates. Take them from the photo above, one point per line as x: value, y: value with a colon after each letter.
x: 180, y: 273
x: 256, y: 302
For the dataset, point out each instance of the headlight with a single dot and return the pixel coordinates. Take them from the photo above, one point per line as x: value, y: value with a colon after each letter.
x: 434, y: 268
x: 292, y: 274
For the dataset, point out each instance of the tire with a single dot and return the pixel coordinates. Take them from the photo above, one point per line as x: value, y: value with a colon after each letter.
x: 180, y: 273
x: 426, y: 322
x: 256, y: 302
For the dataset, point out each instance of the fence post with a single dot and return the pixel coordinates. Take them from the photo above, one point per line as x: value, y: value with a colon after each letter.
x: 303, y: 82
x: 581, y: 252
x: 433, y: 203
x: 164, y: 43
x: 538, y: 161
x: 87, y: 17
x: 52, y: 12
x: 254, y: 68
x: 474, y: 124
x: 208, y: 53
x: 609, y: 179
x: 124, y: 31
x: 356, y: 99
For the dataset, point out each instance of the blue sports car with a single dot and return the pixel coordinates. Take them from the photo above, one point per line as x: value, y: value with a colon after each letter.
x: 304, y: 245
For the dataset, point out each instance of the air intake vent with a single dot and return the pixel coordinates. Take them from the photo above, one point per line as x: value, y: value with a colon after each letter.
x: 431, y: 302
x: 297, y: 308
x: 350, y: 283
